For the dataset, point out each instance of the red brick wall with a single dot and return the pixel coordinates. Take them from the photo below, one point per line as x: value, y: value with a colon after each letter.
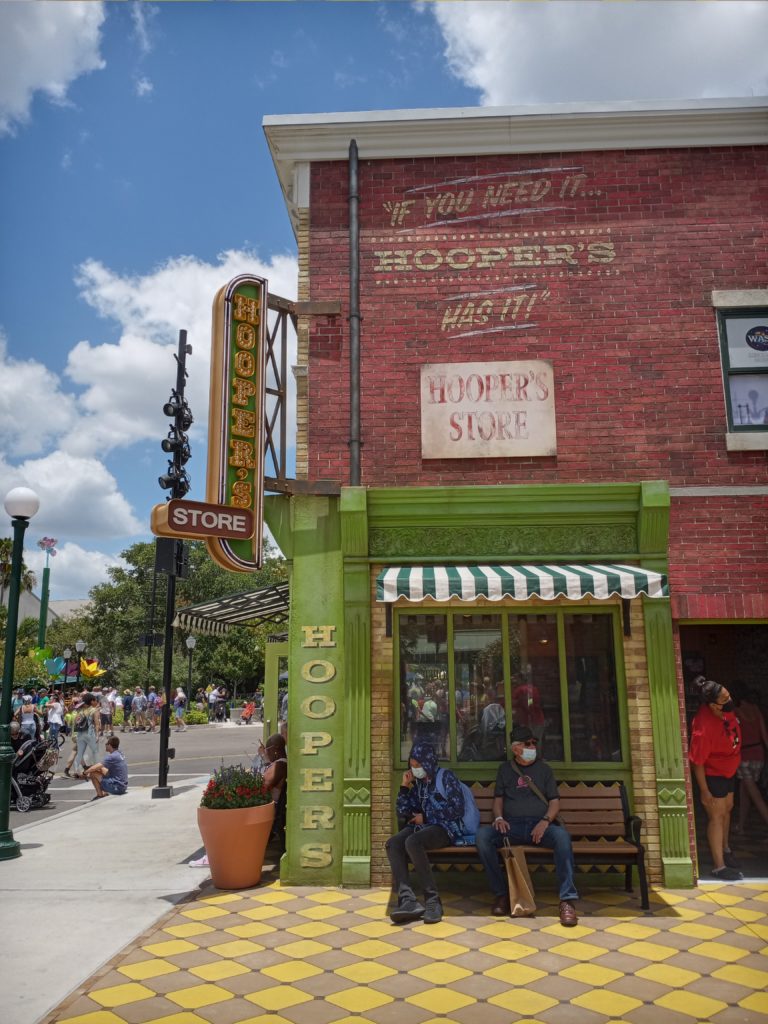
x: 620, y: 264
x: 719, y: 557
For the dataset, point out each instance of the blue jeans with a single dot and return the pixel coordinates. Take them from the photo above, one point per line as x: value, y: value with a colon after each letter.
x: 555, y: 838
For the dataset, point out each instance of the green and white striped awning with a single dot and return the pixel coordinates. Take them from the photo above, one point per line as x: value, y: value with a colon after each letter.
x: 217, y: 617
x: 519, y: 582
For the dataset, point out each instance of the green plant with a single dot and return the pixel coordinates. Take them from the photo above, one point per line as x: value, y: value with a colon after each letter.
x: 195, y: 717
x: 233, y: 786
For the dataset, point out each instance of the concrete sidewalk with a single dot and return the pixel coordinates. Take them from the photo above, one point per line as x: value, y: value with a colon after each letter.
x: 89, y: 881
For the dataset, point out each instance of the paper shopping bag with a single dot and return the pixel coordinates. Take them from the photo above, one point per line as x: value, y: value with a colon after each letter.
x: 522, y: 902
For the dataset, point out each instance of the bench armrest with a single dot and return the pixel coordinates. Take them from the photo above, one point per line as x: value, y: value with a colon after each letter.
x: 634, y: 827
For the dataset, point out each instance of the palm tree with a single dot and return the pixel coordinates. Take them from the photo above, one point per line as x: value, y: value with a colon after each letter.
x: 28, y: 579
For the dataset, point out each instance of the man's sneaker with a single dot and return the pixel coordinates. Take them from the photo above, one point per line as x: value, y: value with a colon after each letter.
x: 408, y: 908
x: 727, y: 874
x: 433, y: 913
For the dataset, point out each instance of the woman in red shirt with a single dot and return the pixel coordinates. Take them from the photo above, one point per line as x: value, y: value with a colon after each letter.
x: 715, y: 756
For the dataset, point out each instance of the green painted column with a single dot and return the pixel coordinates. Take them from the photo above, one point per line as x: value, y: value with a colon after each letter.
x: 667, y: 745
x: 670, y: 758
x: 356, y: 868
x: 314, y: 831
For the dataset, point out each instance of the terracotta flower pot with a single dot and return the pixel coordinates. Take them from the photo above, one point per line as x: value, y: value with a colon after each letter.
x: 235, y: 841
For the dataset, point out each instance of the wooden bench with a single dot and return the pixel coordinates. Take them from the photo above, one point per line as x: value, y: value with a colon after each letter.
x: 601, y: 828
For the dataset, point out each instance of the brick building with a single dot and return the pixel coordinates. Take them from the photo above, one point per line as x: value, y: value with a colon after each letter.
x: 559, y: 512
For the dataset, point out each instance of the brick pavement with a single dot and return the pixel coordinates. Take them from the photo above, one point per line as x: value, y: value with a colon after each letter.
x: 275, y: 955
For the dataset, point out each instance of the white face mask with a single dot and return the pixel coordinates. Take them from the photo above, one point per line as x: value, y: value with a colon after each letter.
x: 528, y: 755
x: 419, y: 773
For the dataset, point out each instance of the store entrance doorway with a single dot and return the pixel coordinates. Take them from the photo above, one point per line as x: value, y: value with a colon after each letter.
x: 737, y: 656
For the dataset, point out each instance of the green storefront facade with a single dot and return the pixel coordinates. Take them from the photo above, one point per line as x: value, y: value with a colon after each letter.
x: 345, y: 748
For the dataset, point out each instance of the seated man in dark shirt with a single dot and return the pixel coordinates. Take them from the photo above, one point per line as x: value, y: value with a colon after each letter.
x: 527, y: 818
x: 111, y: 774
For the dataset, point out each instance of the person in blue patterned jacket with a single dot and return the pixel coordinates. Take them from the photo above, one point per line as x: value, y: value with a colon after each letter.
x: 433, y: 814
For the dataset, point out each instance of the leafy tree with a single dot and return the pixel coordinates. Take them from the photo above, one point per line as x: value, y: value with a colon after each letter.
x: 26, y: 669
x: 120, y: 612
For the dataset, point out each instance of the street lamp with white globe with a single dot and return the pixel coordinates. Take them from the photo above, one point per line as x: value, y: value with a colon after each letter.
x: 21, y: 504
x: 80, y: 647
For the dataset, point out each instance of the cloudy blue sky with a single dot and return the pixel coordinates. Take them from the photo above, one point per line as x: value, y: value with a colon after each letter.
x: 135, y: 180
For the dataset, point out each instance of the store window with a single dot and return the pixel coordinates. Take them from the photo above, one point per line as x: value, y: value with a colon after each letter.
x: 478, y: 675
x: 466, y: 677
x: 593, y: 707
x: 744, y: 346
x: 423, y: 680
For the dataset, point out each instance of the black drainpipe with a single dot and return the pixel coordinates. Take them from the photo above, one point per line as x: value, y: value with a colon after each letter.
x: 354, y: 321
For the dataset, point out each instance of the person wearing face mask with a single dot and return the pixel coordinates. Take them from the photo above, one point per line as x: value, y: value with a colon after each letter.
x: 433, y: 810
x: 715, y: 756
x: 526, y: 803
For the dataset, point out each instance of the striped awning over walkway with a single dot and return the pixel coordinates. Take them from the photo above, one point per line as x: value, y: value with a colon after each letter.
x: 215, y: 618
x: 519, y: 582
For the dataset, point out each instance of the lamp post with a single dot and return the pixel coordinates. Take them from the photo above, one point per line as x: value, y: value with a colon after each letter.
x: 48, y: 545
x: 66, y: 655
x: 21, y: 504
x: 191, y: 643
x: 80, y: 647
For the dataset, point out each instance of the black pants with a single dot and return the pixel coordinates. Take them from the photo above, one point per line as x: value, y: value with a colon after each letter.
x: 412, y: 845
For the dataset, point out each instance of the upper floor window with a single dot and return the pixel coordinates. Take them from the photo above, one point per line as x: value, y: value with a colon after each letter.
x: 744, y: 345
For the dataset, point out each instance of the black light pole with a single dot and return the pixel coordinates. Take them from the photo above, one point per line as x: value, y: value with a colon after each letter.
x: 176, y: 444
x: 66, y: 655
x: 191, y: 642
x: 20, y: 504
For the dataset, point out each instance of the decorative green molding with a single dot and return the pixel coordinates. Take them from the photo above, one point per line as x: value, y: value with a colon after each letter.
x: 499, y: 543
x: 316, y: 692
x: 539, y: 521
x: 667, y: 745
x: 356, y: 867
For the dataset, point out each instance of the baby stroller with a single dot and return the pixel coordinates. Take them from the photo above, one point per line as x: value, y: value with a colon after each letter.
x: 31, y: 773
x: 486, y: 744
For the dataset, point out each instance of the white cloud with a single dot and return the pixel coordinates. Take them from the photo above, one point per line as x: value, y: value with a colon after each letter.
x: 569, y: 51
x: 144, y: 87
x: 125, y: 384
x: 33, y: 409
x: 44, y: 47
x: 74, y: 570
x: 79, y: 497
x: 142, y: 15
x: 55, y: 440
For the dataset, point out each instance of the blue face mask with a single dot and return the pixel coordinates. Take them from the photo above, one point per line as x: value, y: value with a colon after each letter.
x: 528, y: 754
x: 419, y: 773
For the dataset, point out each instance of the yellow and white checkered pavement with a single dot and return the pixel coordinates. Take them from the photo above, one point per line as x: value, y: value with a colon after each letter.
x: 277, y: 955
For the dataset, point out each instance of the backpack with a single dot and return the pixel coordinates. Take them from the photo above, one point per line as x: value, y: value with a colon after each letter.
x: 470, y: 821
x: 81, y: 722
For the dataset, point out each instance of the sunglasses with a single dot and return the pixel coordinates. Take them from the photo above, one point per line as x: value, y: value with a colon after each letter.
x: 733, y: 733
